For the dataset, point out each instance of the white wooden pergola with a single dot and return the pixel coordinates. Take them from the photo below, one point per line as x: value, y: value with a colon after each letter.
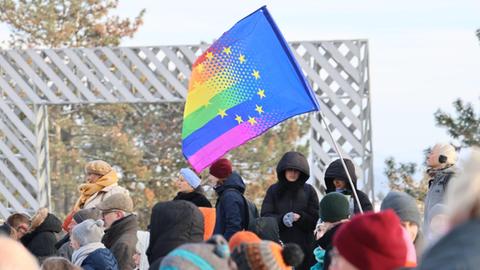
x: 31, y: 80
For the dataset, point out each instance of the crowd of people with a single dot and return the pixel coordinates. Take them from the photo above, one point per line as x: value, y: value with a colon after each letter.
x: 292, y: 230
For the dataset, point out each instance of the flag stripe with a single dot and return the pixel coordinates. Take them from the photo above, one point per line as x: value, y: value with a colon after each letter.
x: 224, y: 100
x: 221, y: 145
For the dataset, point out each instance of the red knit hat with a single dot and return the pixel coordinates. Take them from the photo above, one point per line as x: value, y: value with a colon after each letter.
x: 221, y: 168
x: 372, y: 241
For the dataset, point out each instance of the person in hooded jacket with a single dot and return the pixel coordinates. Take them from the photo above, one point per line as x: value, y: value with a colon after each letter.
x: 231, y: 207
x: 172, y: 224
x: 405, y: 206
x: 441, y: 167
x: 189, y: 188
x: 459, y: 248
x: 294, y: 204
x: 41, y: 239
x: 336, y: 180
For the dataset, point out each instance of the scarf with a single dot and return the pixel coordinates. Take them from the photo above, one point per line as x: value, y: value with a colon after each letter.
x: 82, y: 253
x: 87, y: 190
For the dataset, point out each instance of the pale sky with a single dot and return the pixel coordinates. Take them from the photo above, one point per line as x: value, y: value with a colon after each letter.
x: 423, y: 54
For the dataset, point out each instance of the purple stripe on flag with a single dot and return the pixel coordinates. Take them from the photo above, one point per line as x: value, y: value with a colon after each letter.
x: 221, y: 145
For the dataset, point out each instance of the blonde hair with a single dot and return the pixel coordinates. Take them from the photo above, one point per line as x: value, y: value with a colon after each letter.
x: 462, y: 196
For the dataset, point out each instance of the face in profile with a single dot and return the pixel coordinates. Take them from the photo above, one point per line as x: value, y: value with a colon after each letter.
x: 92, y: 177
x: 182, y: 185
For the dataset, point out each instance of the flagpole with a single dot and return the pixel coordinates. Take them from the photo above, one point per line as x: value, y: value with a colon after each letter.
x: 343, y: 162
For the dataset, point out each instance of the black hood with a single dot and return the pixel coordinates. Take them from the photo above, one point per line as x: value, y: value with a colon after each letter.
x: 172, y: 224
x: 293, y: 160
x: 233, y: 181
x: 51, y: 224
x: 336, y: 171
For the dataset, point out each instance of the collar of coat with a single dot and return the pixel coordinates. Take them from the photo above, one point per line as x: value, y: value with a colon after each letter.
x: 126, y: 225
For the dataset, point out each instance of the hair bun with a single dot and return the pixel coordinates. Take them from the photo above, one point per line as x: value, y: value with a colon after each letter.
x: 292, y: 254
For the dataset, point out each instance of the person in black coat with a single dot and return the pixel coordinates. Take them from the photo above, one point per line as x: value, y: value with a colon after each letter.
x: 172, y: 224
x: 41, y: 239
x: 294, y: 204
x: 190, y: 189
x: 336, y: 180
x: 231, y: 207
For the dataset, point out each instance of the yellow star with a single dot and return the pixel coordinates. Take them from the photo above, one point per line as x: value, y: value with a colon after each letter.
x: 252, y: 120
x: 200, y: 68
x: 227, y: 50
x: 222, y: 113
x: 239, y: 119
x: 242, y: 58
x: 209, y: 55
x: 259, y: 109
x: 256, y: 74
x: 261, y: 93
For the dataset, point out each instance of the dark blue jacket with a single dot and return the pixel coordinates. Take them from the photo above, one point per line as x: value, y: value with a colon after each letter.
x: 230, y: 207
x: 100, y: 259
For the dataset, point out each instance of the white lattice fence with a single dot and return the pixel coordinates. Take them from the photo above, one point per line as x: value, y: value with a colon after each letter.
x: 31, y: 80
x: 338, y: 72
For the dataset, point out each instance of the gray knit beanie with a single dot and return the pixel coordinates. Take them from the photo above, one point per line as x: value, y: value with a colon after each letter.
x: 89, y: 231
x: 403, y: 205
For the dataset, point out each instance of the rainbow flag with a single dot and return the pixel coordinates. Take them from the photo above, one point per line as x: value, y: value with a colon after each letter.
x: 243, y: 84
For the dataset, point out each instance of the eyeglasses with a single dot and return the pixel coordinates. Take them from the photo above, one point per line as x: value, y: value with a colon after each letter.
x: 104, y: 213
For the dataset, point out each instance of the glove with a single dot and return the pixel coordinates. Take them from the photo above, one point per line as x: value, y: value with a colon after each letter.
x: 288, y: 219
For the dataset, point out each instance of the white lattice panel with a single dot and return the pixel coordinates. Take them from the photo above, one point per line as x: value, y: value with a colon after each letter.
x: 30, y: 80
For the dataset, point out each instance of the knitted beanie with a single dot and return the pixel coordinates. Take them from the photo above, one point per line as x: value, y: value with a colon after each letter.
x: 213, y: 254
x: 221, y: 168
x: 84, y: 214
x: 372, y: 241
x: 404, y: 206
x: 241, y: 237
x: 99, y: 167
x: 334, y: 207
x: 267, y: 255
x: 89, y: 231
x: 190, y: 177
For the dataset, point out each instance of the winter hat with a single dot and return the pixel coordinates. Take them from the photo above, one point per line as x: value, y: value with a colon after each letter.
x: 241, y: 237
x: 89, y: 231
x: 213, y: 254
x: 267, y: 255
x: 221, y: 168
x: 446, y: 150
x: 84, y: 214
x: 404, y: 206
x: 99, y: 167
x: 334, y: 207
x: 372, y: 241
x: 118, y: 201
x: 190, y: 177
